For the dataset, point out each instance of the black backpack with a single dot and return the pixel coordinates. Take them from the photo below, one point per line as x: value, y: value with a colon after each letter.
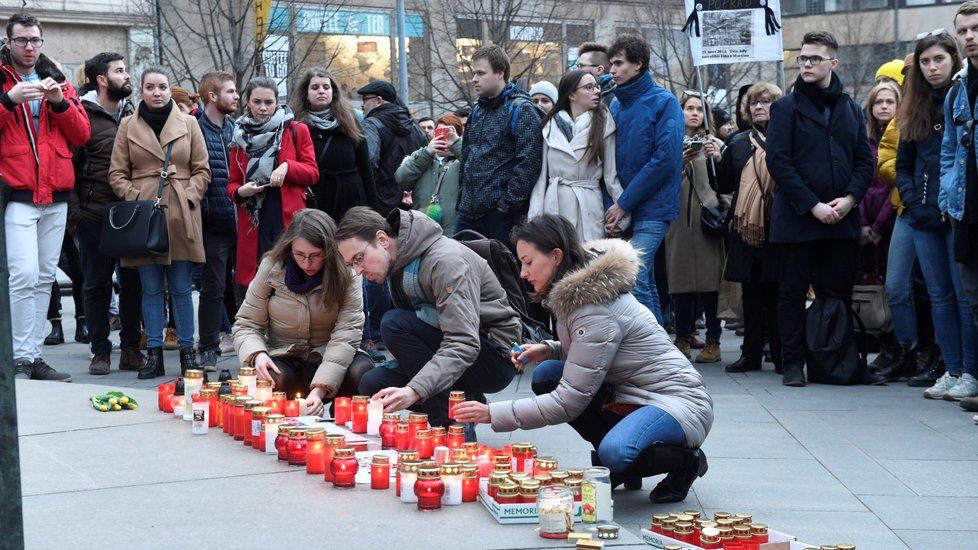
x: 832, y: 352
x: 507, y: 270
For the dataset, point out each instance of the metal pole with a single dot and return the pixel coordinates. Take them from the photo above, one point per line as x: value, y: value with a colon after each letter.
x: 158, y: 32
x: 11, y: 504
x: 706, y: 113
x: 781, y: 71
x: 402, y: 72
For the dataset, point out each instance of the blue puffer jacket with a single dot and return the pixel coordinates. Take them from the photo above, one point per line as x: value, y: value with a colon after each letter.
x: 649, y: 149
x: 217, y: 212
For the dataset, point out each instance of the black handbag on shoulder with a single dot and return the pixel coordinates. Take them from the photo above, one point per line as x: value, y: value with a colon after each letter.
x: 137, y: 229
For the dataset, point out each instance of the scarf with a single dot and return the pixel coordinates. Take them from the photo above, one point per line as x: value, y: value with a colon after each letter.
x: 261, y: 141
x: 296, y: 279
x: 754, y: 196
x: 822, y: 97
x: 322, y: 120
x: 156, y: 118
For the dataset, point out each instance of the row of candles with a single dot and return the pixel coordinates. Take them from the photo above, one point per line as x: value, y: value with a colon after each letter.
x: 725, y: 531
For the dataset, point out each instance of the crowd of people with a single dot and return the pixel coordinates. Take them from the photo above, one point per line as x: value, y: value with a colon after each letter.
x: 320, y: 235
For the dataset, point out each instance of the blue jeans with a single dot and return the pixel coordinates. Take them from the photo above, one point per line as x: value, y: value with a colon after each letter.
x: 899, y: 282
x: 178, y: 281
x: 492, y: 225
x: 954, y: 324
x: 618, y: 439
x: 376, y: 302
x: 646, y: 237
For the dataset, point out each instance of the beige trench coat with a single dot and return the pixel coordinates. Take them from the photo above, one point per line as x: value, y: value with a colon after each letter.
x: 137, y: 158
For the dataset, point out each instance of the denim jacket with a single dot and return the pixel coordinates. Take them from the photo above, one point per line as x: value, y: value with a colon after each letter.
x: 957, y: 129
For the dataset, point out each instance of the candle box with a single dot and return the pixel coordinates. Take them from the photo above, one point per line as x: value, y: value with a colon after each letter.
x: 776, y: 541
x: 514, y: 513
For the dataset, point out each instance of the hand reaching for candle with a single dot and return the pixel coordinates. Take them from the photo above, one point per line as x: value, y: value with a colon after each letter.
x: 263, y: 363
x: 314, y: 402
x: 397, y: 399
x: 472, y: 411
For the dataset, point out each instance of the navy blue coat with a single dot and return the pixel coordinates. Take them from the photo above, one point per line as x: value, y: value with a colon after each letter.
x: 812, y: 161
x: 217, y: 212
x: 918, y: 170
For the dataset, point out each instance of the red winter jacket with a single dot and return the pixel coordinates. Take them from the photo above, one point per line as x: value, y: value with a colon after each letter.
x: 39, y: 161
x: 298, y: 151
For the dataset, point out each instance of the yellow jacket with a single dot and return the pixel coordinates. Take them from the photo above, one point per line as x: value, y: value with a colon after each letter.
x: 886, y: 161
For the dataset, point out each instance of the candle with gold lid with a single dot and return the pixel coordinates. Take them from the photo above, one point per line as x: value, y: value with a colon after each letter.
x: 470, y: 482
x: 331, y: 443
x: 344, y: 467
x: 297, y: 446
x: 456, y: 436
x: 380, y: 472
x: 263, y: 390
x: 316, y: 450
x: 248, y: 419
x: 249, y: 377
x: 258, y: 415
x: 272, y: 422
x: 360, y: 415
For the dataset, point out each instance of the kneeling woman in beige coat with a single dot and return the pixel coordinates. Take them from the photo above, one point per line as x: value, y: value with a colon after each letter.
x: 302, y: 318
x: 614, y: 376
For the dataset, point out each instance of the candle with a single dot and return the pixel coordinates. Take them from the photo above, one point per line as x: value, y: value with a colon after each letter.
x: 456, y: 436
x: 213, y: 406
x: 451, y: 476
x: 342, y: 410
x: 297, y: 447
x: 759, y: 532
x: 574, y: 484
x: 459, y: 456
x: 222, y: 410
x: 200, y: 421
x: 523, y: 455
x: 442, y: 455
x: 330, y: 444
x: 544, y: 465
x: 237, y: 388
x: 272, y: 422
x: 409, y: 474
x: 249, y: 421
x: 402, y: 436
x: 388, y: 431
x: 237, y: 416
x: 380, y: 472
x: 402, y: 457
x: 258, y: 415
x: 263, y: 389
x: 248, y: 377
x: 423, y: 443
x: 278, y: 402
x: 556, y: 512
x: 508, y: 493
x: 292, y: 408
x: 344, y: 467
x: 360, y: 403
x: 472, y: 450
x: 455, y: 398
x: 528, y: 491
x: 316, y: 451
x: 484, y: 460
x: 193, y: 381
x: 416, y: 421
x: 438, y: 436
x: 375, y: 416
x: 163, y: 394
x: 429, y: 489
x: 282, y: 441
x: 470, y: 482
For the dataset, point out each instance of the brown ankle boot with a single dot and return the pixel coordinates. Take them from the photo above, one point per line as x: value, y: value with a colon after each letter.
x: 710, y: 353
x: 682, y: 344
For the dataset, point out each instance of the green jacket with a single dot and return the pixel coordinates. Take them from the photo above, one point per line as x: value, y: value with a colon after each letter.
x: 419, y: 173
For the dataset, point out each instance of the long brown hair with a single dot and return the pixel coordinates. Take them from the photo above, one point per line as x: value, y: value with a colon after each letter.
x: 708, y: 123
x: 916, y: 113
x: 873, y: 128
x: 319, y: 229
x: 342, y: 110
x: 599, y: 115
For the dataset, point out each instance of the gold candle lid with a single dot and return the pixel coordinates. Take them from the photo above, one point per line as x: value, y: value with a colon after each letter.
x: 545, y: 462
x: 260, y: 412
x: 683, y: 528
x: 278, y: 395
x: 694, y: 513
x: 409, y: 466
x: 721, y: 515
x: 246, y: 371
x: 216, y: 386
x: 193, y: 373
x: 251, y: 404
x: 274, y: 418
x: 405, y: 456
x: 208, y: 393
x: 657, y: 519
x: 361, y: 399
x: 575, y: 472
x: 758, y: 528
x: 297, y: 433
x: 316, y: 434
x: 344, y: 452
x: 508, y: 490
x: 240, y: 400
x: 456, y: 429
x: 391, y: 417
x: 284, y: 429
x: 335, y: 440
x: 380, y: 460
x: 417, y: 418
x: 422, y: 434
x: 263, y: 383
x: 455, y: 395
x: 469, y: 468
x: 450, y: 469
x: 523, y: 446
x: 428, y: 473
x: 437, y: 431
x: 685, y: 518
x: 471, y: 447
x: 402, y: 427
x: 846, y: 546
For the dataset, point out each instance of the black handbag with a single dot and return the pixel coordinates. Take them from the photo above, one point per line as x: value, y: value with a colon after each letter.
x: 715, y: 221
x: 137, y: 229
x: 832, y: 352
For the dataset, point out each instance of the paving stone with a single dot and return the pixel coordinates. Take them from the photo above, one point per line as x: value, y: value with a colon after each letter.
x: 926, y: 513
x: 937, y: 478
x: 945, y: 540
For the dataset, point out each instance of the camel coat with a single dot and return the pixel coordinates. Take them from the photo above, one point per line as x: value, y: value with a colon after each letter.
x: 571, y: 186
x: 134, y: 174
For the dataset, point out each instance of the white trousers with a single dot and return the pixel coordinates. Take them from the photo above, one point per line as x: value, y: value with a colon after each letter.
x: 34, y: 237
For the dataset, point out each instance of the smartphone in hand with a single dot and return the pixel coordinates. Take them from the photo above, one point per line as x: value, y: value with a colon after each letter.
x: 441, y: 133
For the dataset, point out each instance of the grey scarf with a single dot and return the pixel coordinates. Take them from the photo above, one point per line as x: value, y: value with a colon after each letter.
x: 261, y: 141
x: 323, y: 120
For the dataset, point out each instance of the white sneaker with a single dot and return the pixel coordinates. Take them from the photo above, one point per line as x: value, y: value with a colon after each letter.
x: 227, y: 343
x: 967, y: 386
x: 975, y: 418
x: 941, y: 387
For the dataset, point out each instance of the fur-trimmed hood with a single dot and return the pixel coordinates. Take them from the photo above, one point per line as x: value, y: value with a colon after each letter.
x: 611, y: 273
x: 45, y: 66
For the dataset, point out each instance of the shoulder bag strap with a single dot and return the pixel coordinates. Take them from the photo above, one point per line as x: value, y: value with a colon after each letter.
x: 164, y: 175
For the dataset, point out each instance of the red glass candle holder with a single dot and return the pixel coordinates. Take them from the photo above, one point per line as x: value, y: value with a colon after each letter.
x: 344, y: 467
x: 238, y: 389
x: 455, y: 398
x: 438, y: 436
x: 424, y: 444
x: 402, y: 436
x: 416, y: 421
x: 342, y: 410
x: 759, y: 532
x: 249, y: 421
x: 380, y: 472
x: 330, y: 444
x: 544, y: 465
x: 226, y: 418
x: 282, y: 442
x: 508, y: 493
x: 291, y: 408
x: 388, y: 431
x: 163, y: 394
x: 359, y: 423
x: 523, y: 455
x: 456, y: 436
x: 297, y: 447
x: 277, y: 403
x: 470, y: 483
x: 213, y: 405
x: 316, y: 451
x: 429, y: 489
x: 258, y: 416
x: 239, y: 417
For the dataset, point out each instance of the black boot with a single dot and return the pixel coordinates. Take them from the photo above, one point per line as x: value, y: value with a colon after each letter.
x: 794, y: 375
x: 57, y: 335
x: 934, y: 370
x: 81, y: 331
x: 889, y: 349
x: 902, y: 365
x: 744, y: 364
x: 154, y: 364
x: 632, y: 483
x: 188, y: 360
x: 680, y: 464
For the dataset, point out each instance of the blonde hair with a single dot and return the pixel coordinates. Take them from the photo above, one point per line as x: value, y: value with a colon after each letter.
x: 871, y: 126
x: 755, y: 92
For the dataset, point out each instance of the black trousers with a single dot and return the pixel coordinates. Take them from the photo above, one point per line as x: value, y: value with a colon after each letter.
x: 829, y: 265
x: 213, y: 280
x: 684, y: 305
x: 413, y: 343
x: 98, y: 292
x: 70, y: 263
x: 297, y: 375
x: 760, y: 321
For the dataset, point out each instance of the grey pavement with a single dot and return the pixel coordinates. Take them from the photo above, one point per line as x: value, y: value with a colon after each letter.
x: 880, y: 467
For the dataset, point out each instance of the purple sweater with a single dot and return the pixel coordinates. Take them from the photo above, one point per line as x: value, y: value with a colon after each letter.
x: 876, y: 210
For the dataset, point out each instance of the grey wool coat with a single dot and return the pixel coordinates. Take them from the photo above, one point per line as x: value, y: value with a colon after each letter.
x: 608, y: 337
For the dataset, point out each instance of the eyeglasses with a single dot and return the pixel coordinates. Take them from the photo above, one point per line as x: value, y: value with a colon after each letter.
x: 307, y: 258
x: 756, y: 102
x: 935, y: 32
x: 358, y: 258
x: 813, y: 59
x: 584, y: 65
x: 588, y: 87
x: 22, y: 42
